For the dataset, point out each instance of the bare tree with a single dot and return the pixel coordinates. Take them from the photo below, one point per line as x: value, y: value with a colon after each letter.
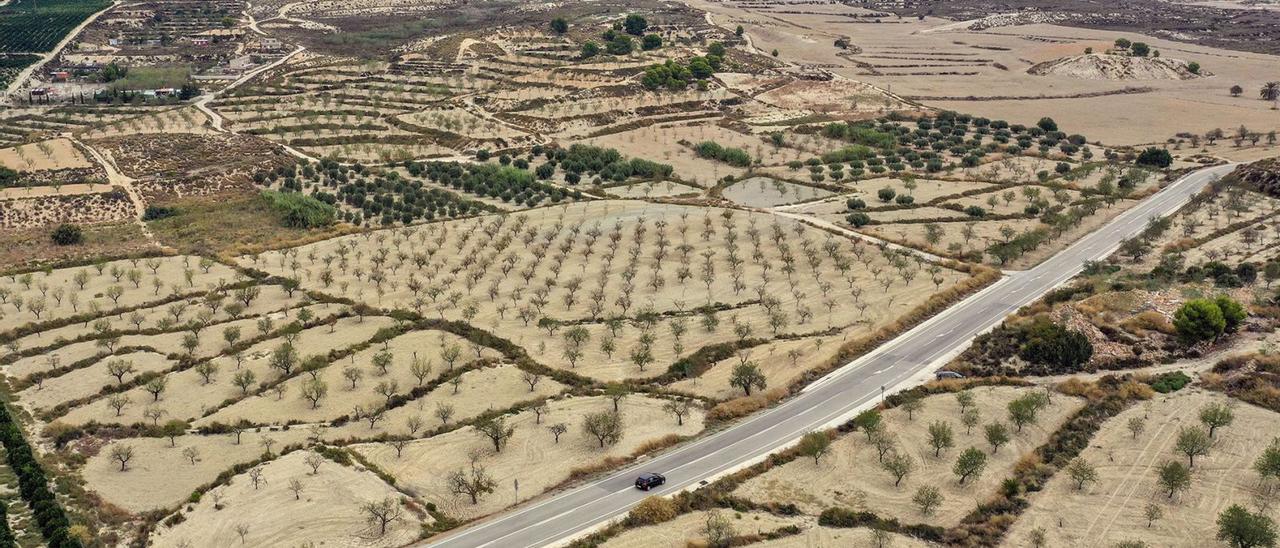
x: 314, y: 460
x: 295, y: 485
x: 399, y: 444
x: 383, y: 513
x: 444, y: 412
x: 118, y: 402
x: 558, y: 429
x: 255, y: 476
x: 123, y: 454
x: 679, y: 408
x: 530, y: 378
x: 475, y: 484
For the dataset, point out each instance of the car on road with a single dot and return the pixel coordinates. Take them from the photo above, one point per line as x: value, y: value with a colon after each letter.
x: 948, y: 375
x: 649, y: 480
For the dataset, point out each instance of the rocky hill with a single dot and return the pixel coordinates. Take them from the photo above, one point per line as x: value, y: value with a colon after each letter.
x: 1263, y: 176
x: 1097, y: 66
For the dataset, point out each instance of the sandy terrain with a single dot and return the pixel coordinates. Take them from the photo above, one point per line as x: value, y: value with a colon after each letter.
x: 325, y: 512
x: 816, y: 487
x: 51, y: 154
x: 686, y: 529
x: 652, y: 190
x: 47, y: 288
x: 1111, y: 510
x: 775, y: 360
x: 683, y: 225
x: 975, y: 66
x: 425, y: 463
x: 159, y: 476
x: 766, y: 192
x: 822, y: 537
x: 187, y: 397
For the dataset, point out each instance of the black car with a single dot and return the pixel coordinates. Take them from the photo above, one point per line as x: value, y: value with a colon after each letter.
x: 649, y: 480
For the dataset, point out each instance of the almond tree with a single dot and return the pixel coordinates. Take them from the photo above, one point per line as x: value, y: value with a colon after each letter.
x: 748, y: 376
x: 118, y: 368
x: 679, y: 408
x: 444, y: 412
x: 475, y: 484
x: 605, y: 426
x: 899, y: 465
x: 497, y: 430
x: 123, y: 454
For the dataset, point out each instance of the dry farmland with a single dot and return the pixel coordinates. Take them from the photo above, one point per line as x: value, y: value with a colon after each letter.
x: 606, y: 280
x: 1113, y: 509
x: 362, y: 273
x: 815, y: 487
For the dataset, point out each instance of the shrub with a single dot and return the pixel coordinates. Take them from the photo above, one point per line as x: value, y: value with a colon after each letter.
x: 858, y: 220
x: 844, y: 517
x: 1052, y: 344
x: 653, y: 510
x: 1170, y: 382
x: 732, y: 156
x: 1155, y: 157
x: 155, y: 213
x: 299, y: 210
x: 67, y: 234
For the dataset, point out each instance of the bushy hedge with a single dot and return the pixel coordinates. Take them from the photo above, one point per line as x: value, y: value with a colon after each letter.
x: 608, y: 163
x: 712, y: 150
x: 34, y: 486
x: 298, y: 210
x: 846, y: 518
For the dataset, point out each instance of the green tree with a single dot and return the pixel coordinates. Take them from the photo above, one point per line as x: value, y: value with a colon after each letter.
x: 1193, y: 442
x: 651, y: 42
x: 868, y: 421
x: 635, y: 24
x: 1199, y: 320
x: 1023, y: 411
x: 1173, y: 477
x: 815, y: 445
x: 620, y: 45
x: 590, y: 49
x: 928, y: 498
x: 940, y: 437
x: 747, y: 376
x: 997, y: 435
x: 970, y: 463
x: 67, y: 234
x: 1081, y: 472
x: 559, y: 25
x: 1268, y: 463
x: 1233, y: 313
x: 1215, y: 416
x: 1240, y: 528
x: 899, y: 465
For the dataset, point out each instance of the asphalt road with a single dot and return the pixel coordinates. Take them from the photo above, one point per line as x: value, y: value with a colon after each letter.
x: 840, y: 395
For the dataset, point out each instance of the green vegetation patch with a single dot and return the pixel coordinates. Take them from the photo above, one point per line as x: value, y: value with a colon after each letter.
x: 299, y: 210
x: 28, y: 26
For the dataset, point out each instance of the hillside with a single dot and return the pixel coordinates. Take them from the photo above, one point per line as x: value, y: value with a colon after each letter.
x: 1096, y: 66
